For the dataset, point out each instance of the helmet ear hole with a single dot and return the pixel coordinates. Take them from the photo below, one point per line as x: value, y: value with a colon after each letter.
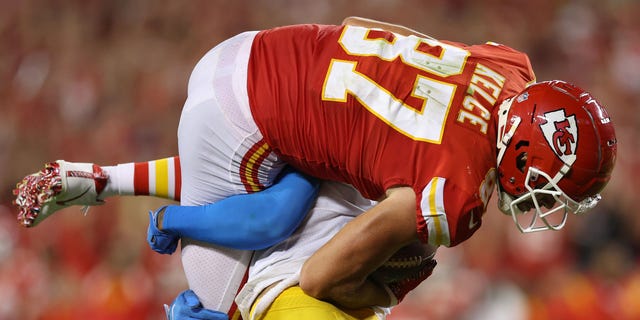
x: 521, y: 161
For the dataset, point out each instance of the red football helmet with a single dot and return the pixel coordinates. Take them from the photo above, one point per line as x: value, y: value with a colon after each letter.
x: 556, y: 150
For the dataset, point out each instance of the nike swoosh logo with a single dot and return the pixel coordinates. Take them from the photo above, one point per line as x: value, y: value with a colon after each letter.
x: 472, y: 221
x: 64, y: 202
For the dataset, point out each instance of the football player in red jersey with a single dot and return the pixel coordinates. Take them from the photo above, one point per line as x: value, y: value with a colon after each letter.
x: 415, y: 122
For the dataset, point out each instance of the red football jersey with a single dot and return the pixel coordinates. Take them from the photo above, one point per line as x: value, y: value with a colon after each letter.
x: 376, y: 110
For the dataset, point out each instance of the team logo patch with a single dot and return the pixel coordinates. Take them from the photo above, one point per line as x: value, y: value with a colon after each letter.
x: 561, y: 133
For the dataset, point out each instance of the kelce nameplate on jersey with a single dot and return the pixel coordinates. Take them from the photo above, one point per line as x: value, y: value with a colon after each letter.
x: 483, y: 92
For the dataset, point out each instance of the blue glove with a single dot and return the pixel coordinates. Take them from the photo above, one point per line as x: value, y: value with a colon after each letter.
x: 187, y: 306
x: 160, y: 241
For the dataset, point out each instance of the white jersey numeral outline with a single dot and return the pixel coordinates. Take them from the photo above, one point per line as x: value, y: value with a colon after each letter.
x: 425, y: 124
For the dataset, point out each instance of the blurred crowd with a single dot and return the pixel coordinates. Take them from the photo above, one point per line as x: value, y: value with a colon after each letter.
x: 104, y: 82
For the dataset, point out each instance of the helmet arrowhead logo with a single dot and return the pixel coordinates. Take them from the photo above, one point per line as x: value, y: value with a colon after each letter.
x: 561, y: 133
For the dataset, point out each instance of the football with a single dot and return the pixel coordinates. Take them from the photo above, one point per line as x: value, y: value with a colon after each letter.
x: 405, y: 263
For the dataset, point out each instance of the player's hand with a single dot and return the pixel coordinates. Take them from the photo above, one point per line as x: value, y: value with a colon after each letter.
x: 160, y: 241
x: 401, y: 287
x: 187, y: 306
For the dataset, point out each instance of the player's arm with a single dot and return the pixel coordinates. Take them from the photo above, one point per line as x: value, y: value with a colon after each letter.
x: 395, y: 28
x: 249, y: 222
x: 339, y: 271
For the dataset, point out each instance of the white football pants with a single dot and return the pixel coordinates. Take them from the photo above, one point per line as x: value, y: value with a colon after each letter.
x: 216, y: 138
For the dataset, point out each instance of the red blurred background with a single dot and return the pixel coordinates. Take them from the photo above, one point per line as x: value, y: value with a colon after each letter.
x: 104, y: 81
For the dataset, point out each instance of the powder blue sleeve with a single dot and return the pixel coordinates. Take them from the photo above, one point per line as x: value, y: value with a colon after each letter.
x: 250, y: 221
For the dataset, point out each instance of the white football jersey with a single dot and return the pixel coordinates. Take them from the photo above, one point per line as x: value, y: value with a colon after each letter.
x: 337, y: 204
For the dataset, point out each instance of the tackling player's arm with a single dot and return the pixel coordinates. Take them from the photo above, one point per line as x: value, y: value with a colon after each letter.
x: 259, y: 220
x: 338, y: 272
x: 395, y: 28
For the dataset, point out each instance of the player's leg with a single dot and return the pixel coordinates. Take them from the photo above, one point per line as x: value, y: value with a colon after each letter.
x: 219, y: 151
x: 61, y: 184
x: 214, y: 273
x: 221, y: 154
x: 158, y: 178
x: 294, y: 304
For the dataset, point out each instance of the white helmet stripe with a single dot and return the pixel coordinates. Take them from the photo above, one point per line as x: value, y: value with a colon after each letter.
x: 502, y: 137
